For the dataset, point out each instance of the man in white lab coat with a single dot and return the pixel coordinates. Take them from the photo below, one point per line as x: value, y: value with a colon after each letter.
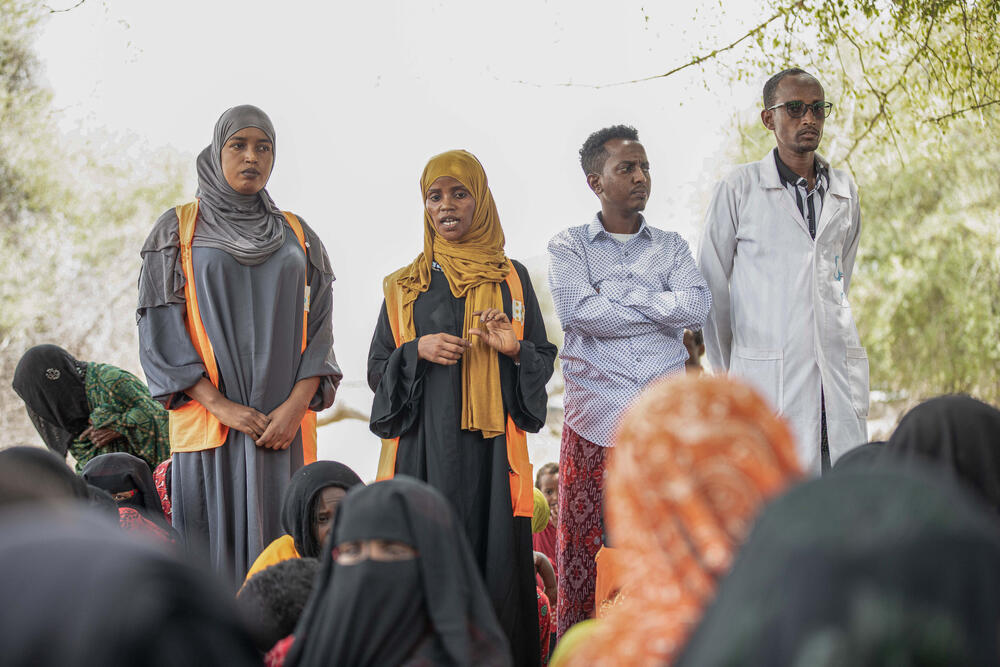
x: 777, y: 251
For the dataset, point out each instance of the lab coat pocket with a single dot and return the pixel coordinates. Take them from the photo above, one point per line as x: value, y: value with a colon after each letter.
x: 762, y: 369
x: 857, y: 379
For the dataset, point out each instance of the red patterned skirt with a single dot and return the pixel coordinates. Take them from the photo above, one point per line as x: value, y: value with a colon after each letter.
x: 581, y: 488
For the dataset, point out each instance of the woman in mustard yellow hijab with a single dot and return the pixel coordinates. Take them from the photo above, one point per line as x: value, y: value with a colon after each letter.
x: 458, y: 364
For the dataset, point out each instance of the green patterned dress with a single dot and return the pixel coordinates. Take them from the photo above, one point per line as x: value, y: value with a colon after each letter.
x: 121, y: 402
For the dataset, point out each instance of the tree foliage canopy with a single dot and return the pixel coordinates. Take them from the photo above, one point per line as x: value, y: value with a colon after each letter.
x: 73, y: 213
x: 917, y: 94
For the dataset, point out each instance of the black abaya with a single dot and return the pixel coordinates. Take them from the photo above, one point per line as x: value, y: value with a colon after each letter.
x: 420, y: 402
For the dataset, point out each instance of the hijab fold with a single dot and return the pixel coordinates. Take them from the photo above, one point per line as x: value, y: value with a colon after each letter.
x: 298, y: 503
x: 248, y: 227
x: 475, y: 265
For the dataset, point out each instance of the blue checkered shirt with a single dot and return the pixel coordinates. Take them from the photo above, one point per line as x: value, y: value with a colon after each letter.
x: 623, y: 309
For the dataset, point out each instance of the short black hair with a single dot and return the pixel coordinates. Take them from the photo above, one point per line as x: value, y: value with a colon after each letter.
x: 593, y: 155
x: 698, y: 336
x: 771, y: 86
x: 547, y: 469
x: 272, y: 600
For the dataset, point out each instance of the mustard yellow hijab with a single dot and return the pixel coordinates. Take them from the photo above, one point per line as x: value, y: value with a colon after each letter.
x: 475, y: 266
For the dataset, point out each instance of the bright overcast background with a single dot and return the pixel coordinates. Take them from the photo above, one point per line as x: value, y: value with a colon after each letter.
x: 362, y: 94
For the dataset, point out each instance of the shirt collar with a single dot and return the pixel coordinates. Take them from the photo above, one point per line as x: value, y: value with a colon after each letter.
x: 595, y: 227
x: 787, y: 176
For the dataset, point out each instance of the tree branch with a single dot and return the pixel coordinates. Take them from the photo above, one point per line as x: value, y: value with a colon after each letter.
x: 60, y: 11
x: 691, y: 63
x: 341, y: 412
x: 959, y: 112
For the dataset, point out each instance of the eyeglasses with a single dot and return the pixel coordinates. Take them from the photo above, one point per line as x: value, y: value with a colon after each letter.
x: 798, y: 108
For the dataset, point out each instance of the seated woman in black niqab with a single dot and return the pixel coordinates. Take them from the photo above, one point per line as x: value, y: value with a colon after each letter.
x: 86, y: 409
x: 130, y: 482
x: 398, y: 586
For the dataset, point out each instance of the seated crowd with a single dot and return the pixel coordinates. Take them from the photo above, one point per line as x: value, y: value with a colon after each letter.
x: 718, y: 550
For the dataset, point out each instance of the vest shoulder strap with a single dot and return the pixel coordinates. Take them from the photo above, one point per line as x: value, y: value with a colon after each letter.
x: 516, y: 301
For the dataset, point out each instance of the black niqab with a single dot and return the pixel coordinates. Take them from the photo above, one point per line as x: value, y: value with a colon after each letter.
x: 298, y: 504
x: 52, y: 385
x: 959, y: 436
x: 433, y: 608
x: 119, y: 472
x: 78, y: 592
x: 861, y: 567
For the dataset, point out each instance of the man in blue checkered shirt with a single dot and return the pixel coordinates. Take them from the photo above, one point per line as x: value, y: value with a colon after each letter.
x: 624, y: 292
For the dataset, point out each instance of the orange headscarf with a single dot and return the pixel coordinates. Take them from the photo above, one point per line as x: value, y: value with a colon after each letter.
x: 474, y: 266
x: 695, y: 460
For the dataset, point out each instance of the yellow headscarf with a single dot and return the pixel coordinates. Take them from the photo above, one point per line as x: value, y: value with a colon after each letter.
x: 475, y: 266
x: 540, y: 514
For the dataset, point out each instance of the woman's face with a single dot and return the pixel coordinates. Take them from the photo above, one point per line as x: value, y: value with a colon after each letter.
x: 326, y: 509
x: 451, y: 207
x: 386, y: 551
x: 247, y: 159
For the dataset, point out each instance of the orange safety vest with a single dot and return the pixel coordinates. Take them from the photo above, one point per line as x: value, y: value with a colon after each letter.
x: 521, y: 481
x: 192, y: 427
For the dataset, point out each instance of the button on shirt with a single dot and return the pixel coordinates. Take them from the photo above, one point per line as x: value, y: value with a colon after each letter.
x: 623, y: 309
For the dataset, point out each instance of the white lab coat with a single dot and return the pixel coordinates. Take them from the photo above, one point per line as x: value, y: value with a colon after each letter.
x: 780, y: 316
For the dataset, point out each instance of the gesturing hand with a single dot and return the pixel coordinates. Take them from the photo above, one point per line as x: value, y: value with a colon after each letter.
x: 496, y: 331
x: 441, y: 348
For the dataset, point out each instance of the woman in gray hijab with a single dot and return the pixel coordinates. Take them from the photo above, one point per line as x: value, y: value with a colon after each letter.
x: 236, y: 340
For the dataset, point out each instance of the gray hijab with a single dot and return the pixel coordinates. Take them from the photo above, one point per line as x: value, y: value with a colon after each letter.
x: 248, y: 227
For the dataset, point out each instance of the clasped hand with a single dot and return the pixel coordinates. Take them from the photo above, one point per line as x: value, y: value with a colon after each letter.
x: 273, y: 431
x: 494, y: 329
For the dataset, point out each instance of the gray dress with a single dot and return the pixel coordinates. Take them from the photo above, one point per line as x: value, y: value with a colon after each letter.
x: 227, y: 500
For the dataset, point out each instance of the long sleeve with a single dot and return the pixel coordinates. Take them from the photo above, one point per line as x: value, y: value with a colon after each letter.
x: 685, y: 304
x: 580, y: 307
x: 395, y: 375
x: 121, y: 402
x: 319, y: 359
x: 168, y: 358
x: 717, y: 250
x: 524, y: 385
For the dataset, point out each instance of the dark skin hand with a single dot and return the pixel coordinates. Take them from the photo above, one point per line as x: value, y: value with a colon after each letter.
x: 544, y: 570
x: 102, y: 437
x: 285, y: 419
x: 496, y: 331
x: 441, y: 348
x: 242, y: 418
x: 273, y: 431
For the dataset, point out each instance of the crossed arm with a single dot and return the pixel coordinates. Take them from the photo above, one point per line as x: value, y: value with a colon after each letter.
x: 620, y: 309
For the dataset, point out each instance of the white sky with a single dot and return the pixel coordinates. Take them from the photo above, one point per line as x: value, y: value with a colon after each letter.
x: 361, y: 94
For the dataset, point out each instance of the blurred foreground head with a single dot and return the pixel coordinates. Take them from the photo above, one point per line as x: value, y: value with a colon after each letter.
x: 888, y: 566
x: 78, y: 592
x: 32, y: 475
x: 959, y: 437
x: 272, y: 600
x: 695, y: 459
